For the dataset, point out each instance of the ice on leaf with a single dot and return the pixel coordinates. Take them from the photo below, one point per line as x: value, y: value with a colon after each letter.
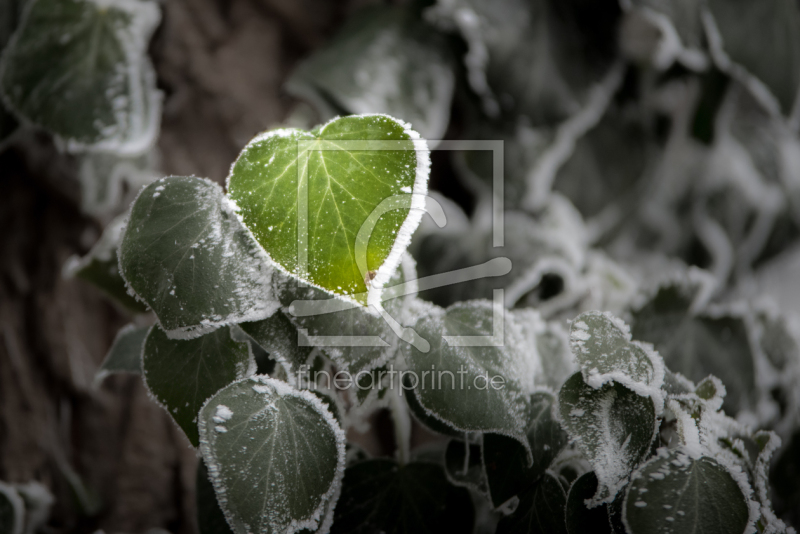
x: 331, y: 207
x: 681, y: 494
x: 105, y: 178
x: 467, y: 350
x: 79, y: 68
x: 280, y: 339
x: 612, y: 426
x: 383, y: 60
x: 185, y: 254
x: 602, y: 343
x: 182, y: 374
x: 276, y: 461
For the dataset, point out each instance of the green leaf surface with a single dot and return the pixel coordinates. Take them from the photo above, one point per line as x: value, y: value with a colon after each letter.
x: 12, y: 510
x: 210, y: 519
x: 79, y: 69
x: 697, y: 344
x: 455, y: 390
x: 602, y: 343
x: 773, y: 54
x: 279, y: 338
x: 183, y: 374
x: 508, y: 470
x: 331, y: 206
x: 383, y: 60
x: 125, y: 354
x: 275, y: 455
x: 612, y: 426
x: 100, y: 268
x: 540, y: 510
x: 681, y: 494
x: 580, y: 518
x: 416, y: 498
x: 187, y: 256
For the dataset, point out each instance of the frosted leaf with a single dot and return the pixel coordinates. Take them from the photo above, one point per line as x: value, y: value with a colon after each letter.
x: 660, y: 32
x: 100, y: 268
x: 280, y: 461
x: 580, y: 517
x: 696, y: 342
x: 513, y: 46
x: 464, y: 466
x: 467, y: 349
x: 105, y: 178
x: 185, y: 254
x: 79, y: 68
x: 12, y: 510
x: 508, y: 469
x: 558, y: 364
x: 541, y: 509
x: 345, y: 229
x: 379, y: 496
x: 182, y: 374
x: 280, y: 339
x: 210, y: 519
x: 681, y: 494
x: 125, y: 354
x: 356, y: 338
x: 602, y: 343
x: 383, y: 60
x: 612, y: 426
x: 768, y: 63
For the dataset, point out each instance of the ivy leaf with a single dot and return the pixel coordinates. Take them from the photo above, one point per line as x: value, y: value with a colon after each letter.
x: 681, y: 494
x: 125, y: 354
x: 210, y: 519
x: 602, y: 343
x: 515, y: 46
x: 382, y: 496
x: 771, y: 58
x: 12, y: 510
x: 100, y: 268
x: 580, y: 518
x: 383, y: 60
x: 279, y: 338
x: 697, y: 343
x: 79, y: 68
x: 182, y: 374
x: 426, y: 418
x: 275, y: 455
x: 508, y: 470
x: 540, y: 511
x: 347, y: 188
x: 463, y: 395
x: 464, y: 466
x: 612, y: 426
x: 186, y: 255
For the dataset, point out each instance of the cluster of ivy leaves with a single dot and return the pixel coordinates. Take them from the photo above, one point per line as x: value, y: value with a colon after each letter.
x: 651, y: 192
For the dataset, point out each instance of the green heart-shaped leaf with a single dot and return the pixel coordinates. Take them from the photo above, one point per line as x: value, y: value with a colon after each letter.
x: 416, y: 498
x: 603, y: 346
x: 274, y: 454
x: 335, y: 207
x: 682, y: 494
x: 79, y: 68
x: 183, y: 374
x: 188, y: 257
x: 613, y: 427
